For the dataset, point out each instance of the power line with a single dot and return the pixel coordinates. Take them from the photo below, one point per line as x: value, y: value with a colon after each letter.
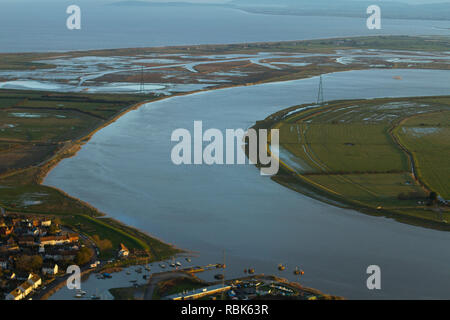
x: 320, y: 99
x: 142, y: 86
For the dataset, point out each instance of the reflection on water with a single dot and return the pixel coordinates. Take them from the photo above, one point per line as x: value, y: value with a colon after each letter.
x: 125, y: 170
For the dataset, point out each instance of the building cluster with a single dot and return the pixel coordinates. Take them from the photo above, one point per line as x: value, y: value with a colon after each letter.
x: 32, y: 250
x: 252, y: 289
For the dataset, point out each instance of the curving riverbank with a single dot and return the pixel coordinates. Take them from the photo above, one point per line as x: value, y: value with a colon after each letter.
x: 297, y: 177
x: 199, y: 217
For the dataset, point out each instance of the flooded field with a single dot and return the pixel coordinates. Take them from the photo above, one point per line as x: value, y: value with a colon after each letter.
x: 154, y: 73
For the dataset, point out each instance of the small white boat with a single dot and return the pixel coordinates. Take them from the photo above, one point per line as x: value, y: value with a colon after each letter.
x: 162, y: 265
x: 178, y: 263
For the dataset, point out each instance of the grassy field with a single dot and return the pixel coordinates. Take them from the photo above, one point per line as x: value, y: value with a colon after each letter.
x: 427, y: 137
x: 358, y: 152
x: 37, y: 130
x: 177, y: 285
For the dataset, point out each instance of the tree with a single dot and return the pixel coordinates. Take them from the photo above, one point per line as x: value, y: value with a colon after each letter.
x: 84, y: 256
x: 433, y: 196
x: 104, y: 244
x: 29, y: 263
x: 53, y: 229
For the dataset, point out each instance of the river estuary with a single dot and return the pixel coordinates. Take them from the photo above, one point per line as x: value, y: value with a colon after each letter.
x: 125, y: 170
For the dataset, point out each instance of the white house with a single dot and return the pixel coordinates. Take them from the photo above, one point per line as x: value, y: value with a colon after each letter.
x: 123, y: 252
x: 4, y: 263
x: 50, y: 268
x: 25, y: 288
x: 35, y: 281
x: 46, y: 223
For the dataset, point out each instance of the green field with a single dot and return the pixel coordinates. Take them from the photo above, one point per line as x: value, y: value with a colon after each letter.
x: 427, y: 137
x: 358, y: 152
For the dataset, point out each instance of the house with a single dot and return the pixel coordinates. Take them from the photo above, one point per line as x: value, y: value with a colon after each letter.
x: 58, y: 240
x: 23, y: 276
x: 46, y: 223
x: 11, y: 245
x: 35, y: 281
x: 4, y: 263
x: 50, y: 268
x: 6, y: 231
x: 123, y: 252
x: 34, y: 231
x: 52, y: 254
x: 26, y: 288
x: 9, y: 275
x: 68, y: 254
x: 16, y: 294
x: 26, y: 241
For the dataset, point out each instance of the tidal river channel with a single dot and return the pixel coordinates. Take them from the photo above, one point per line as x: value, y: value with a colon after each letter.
x: 125, y: 170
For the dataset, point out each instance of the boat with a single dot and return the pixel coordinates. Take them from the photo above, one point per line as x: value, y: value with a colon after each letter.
x: 106, y: 275
x: 251, y: 271
x: 281, y: 267
x: 78, y: 295
x: 188, y: 259
x: 297, y: 271
x: 162, y: 265
x: 81, y: 292
x: 147, y: 268
x: 178, y: 264
x: 139, y: 270
x: 95, y: 296
x: 219, y: 276
x: 128, y: 272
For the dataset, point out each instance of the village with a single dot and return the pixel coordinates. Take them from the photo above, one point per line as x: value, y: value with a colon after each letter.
x: 34, y: 251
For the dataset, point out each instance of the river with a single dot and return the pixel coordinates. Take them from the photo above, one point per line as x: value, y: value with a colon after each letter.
x: 125, y: 170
